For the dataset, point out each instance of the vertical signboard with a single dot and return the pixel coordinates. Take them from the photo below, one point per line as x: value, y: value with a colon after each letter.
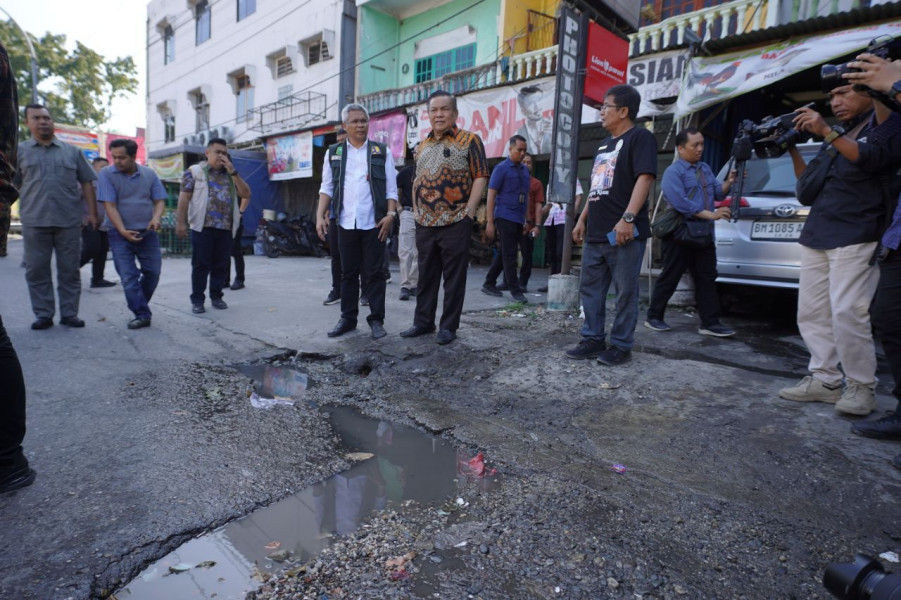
x: 567, y: 106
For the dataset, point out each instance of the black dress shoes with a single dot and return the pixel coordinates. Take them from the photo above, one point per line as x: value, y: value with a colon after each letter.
x: 16, y: 479
x: 71, y: 322
x: 416, y: 331
x: 42, y: 323
x: 378, y: 330
x: 886, y: 428
x: 218, y: 303
x: 103, y: 283
x: 445, y: 336
x: 343, y: 326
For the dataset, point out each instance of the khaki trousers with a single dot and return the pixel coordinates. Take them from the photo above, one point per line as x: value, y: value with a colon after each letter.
x: 836, y: 288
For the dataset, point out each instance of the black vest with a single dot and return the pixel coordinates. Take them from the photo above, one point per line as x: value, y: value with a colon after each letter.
x: 378, y: 185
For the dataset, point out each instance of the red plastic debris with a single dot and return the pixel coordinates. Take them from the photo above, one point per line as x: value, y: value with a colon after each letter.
x: 619, y: 468
x: 474, y: 467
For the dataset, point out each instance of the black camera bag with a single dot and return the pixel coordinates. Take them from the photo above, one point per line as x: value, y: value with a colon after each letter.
x: 812, y: 180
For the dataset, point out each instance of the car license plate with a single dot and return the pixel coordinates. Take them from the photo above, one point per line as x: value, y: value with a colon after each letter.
x: 776, y: 230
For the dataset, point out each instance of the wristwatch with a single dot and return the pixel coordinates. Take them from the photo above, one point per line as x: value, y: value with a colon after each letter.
x: 628, y: 217
x: 233, y: 173
x: 393, y: 213
x: 833, y: 135
x: 896, y: 88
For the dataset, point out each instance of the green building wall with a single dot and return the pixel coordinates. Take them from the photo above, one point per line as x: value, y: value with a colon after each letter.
x: 379, y: 31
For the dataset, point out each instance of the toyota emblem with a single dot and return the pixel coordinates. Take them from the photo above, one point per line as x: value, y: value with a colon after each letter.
x: 784, y: 210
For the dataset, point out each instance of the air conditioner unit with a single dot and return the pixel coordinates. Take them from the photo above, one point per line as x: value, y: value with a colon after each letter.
x: 188, y: 140
x: 202, y: 138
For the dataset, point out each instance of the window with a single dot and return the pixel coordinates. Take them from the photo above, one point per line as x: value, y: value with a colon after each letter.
x: 168, y: 127
x: 283, y: 66
x: 284, y: 93
x: 246, y: 8
x: 201, y: 111
x: 438, y: 65
x: 202, y: 22
x: 168, y: 45
x: 244, y: 97
x: 317, y: 52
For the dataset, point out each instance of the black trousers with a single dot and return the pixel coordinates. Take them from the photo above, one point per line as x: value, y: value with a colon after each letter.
x: 510, y: 234
x: 211, y: 250
x: 238, y: 253
x: 335, y: 252
x: 886, y: 316
x: 554, y: 245
x: 526, y: 247
x: 701, y: 263
x: 443, y: 252
x: 362, y: 253
x: 12, y: 407
x: 94, y: 246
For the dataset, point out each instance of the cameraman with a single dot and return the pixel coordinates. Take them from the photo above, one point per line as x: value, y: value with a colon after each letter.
x: 838, y: 277
x: 884, y: 76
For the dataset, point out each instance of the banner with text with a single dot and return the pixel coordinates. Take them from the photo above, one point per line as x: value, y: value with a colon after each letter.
x: 290, y: 156
x: 168, y: 168
x: 711, y: 80
x: 498, y: 114
x: 605, y: 67
x: 657, y: 78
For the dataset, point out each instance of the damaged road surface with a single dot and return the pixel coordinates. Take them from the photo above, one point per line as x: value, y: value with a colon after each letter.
x: 680, y: 474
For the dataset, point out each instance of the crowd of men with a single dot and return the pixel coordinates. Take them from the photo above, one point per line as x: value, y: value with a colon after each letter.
x: 850, y: 237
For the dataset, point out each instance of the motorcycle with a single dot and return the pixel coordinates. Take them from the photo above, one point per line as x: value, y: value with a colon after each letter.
x: 292, y: 237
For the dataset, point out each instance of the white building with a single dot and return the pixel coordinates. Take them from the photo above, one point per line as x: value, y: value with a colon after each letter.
x: 245, y: 70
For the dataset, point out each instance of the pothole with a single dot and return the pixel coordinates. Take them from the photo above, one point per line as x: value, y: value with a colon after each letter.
x: 394, y: 464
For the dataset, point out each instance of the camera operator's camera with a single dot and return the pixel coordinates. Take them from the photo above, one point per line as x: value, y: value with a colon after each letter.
x: 773, y: 136
x: 864, y: 579
x: 884, y: 47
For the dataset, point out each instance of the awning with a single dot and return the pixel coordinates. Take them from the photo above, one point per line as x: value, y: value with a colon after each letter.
x: 710, y: 80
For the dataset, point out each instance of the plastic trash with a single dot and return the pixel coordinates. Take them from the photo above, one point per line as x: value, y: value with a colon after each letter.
x: 889, y: 556
x: 618, y: 468
x: 258, y: 401
x: 474, y: 467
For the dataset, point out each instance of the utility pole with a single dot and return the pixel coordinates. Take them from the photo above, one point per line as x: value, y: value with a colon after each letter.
x: 34, y: 58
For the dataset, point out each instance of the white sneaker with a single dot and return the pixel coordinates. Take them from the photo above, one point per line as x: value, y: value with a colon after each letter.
x: 857, y: 399
x: 811, y: 389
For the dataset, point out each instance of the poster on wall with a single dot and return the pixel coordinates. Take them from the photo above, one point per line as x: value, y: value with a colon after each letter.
x: 498, y: 114
x: 290, y: 156
x: 390, y: 130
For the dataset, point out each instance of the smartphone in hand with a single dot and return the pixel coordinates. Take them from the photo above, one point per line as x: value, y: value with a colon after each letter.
x: 611, y: 235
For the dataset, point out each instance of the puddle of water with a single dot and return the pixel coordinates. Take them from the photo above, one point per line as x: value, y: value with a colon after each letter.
x: 407, y: 464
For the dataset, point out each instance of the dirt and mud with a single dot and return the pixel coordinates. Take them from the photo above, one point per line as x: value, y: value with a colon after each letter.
x: 680, y: 474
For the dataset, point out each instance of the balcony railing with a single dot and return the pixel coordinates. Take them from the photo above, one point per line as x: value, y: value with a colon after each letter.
x: 731, y: 18
x: 460, y: 82
x: 292, y: 112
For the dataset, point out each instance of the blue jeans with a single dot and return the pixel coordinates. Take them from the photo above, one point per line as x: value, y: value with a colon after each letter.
x: 603, y: 264
x: 139, y: 284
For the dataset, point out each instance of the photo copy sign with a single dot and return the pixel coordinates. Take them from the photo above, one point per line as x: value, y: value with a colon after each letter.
x: 606, y: 63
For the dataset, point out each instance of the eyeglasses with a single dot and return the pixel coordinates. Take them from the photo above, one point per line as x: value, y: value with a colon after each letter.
x: 609, y: 106
x: 358, y: 122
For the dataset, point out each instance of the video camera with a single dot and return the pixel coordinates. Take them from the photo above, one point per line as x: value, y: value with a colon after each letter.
x: 772, y: 137
x: 885, y: 47
x: 864, y: 579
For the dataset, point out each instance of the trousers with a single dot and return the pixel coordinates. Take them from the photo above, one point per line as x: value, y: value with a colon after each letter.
x: 211, y: 249
x: 701, y: 263
x: 443, y: 252
x: 836, y: 288
x: 40, y: 245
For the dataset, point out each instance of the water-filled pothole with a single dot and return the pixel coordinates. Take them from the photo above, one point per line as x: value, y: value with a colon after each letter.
x: 398, y: 463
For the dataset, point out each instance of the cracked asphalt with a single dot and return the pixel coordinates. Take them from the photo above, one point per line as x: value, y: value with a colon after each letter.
x: 143, y: 439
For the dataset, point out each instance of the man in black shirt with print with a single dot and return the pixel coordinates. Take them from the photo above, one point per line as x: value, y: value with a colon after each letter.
x: 614, y: 224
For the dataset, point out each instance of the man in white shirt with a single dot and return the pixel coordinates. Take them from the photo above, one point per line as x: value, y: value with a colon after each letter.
x: 356, y: 189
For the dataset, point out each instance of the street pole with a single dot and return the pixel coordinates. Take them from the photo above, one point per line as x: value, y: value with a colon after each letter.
x: 34, y: 58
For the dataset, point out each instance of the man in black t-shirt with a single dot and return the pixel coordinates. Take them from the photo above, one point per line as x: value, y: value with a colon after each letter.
x: 614, y: 224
